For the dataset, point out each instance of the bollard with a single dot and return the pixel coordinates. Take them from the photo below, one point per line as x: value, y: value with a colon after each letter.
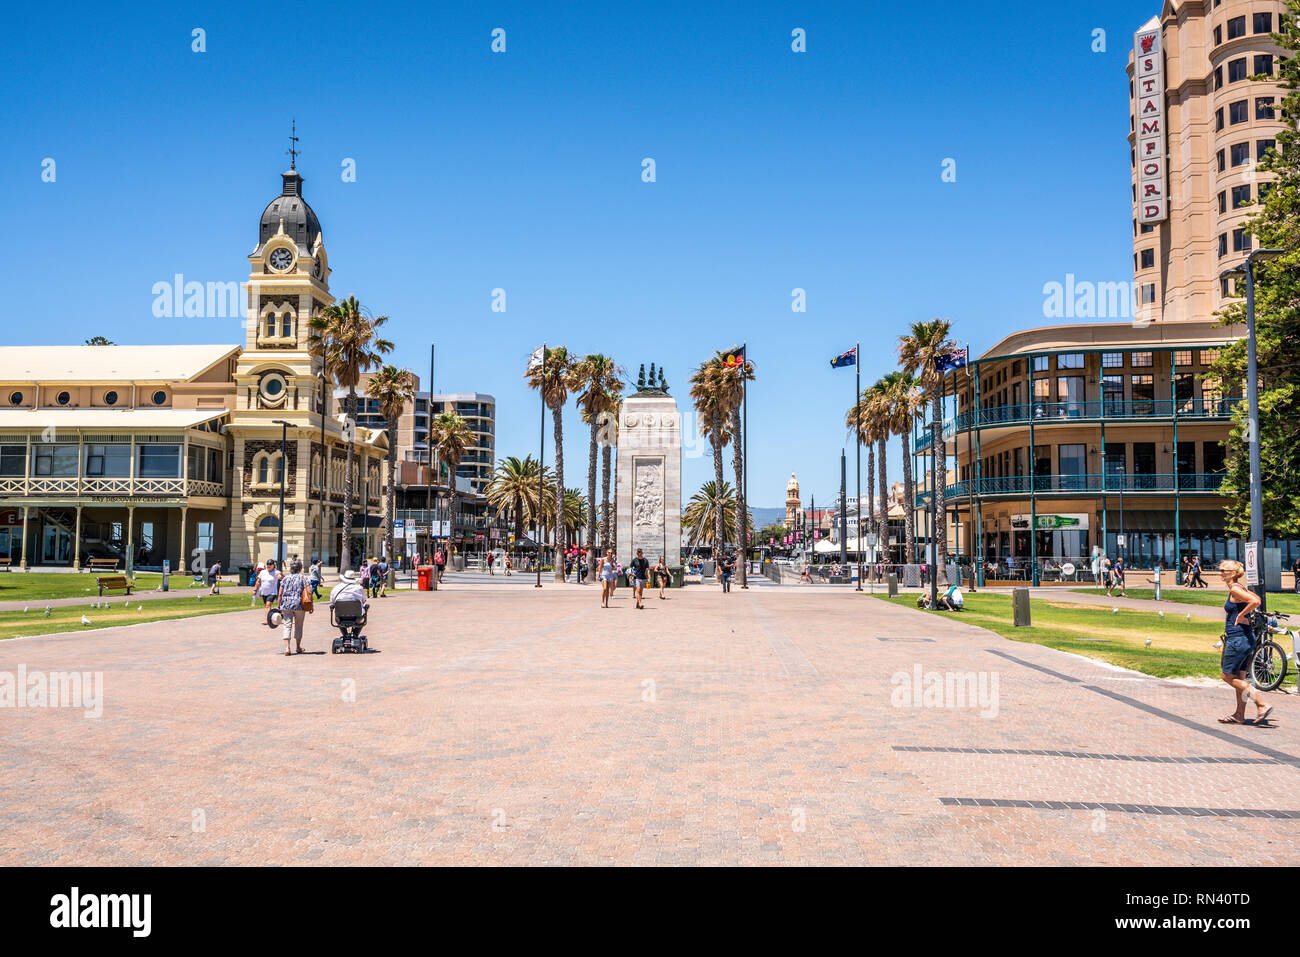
x: 1020, y: 607
x: 892, y: 580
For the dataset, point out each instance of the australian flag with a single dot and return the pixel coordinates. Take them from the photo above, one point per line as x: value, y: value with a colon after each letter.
x: 957, y: 359
x: 849, y: 358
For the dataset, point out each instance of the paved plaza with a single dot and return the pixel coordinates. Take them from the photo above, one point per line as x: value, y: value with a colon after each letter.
x: 497, y: 724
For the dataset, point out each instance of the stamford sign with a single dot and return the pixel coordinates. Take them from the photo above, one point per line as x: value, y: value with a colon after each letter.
x: 1149, y: 121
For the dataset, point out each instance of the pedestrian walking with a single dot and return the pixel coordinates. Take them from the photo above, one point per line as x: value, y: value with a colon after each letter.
x: 491, y: 560
x: 608, y: 573
x: 214, y: 576
x: 1238, y: 644
x: 640, y: 572
x: 314, y: 578
x: 661, y: 570
x: 728, y: 569
x: 268, y: 584
x: 1116, y: 577
x: 382, y: 567
x: 1197, y: 580
x: 509, y: 565
x: 440, y: 562
x: 295, y: 604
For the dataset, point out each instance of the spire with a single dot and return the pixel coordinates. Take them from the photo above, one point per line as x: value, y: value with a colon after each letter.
x: 293, y: 150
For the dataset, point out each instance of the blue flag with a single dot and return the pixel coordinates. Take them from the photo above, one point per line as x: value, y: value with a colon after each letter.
x: 957, y: 359
x: 845, y: 359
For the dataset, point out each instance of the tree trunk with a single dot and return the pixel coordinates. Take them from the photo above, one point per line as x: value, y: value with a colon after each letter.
x: 719, y: 522
x: 345, y: 552
x: 390, y: 494
x: 940, y: 506
x: 738, y: 466
x: 884, y: 499
x: 864, y: 520
x: 606, y: 453
x: 557, y: 415
x: 909, y: 495
x: 591, y: 505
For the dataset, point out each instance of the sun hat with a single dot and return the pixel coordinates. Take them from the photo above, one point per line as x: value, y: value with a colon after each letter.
x: 348, y: 575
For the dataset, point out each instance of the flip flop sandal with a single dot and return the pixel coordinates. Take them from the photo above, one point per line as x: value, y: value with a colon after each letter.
x: 1231, y: 719
x: 1263, y: 715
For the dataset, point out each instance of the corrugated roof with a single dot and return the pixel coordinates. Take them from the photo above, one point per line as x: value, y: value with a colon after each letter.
x: 108, y: 363
x: 125, y: 420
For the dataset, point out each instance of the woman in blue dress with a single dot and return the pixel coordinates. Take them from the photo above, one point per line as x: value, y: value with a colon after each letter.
x: 1238, y: 644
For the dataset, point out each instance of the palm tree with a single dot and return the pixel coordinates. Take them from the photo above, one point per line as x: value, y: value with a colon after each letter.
x: 553, y: 377
x: 609, y: 425
x: 449, y: 437
x: 736, y: 377
x: 392, y: 388
x: 513, y: 490
x: 920, y: 353
x: 348, y: 343
x: 710, y: 391
x: 900, y: 399
x: 99, y: 341
x: 862, y: 425
x: 599, y: 379
x: 703, y: 506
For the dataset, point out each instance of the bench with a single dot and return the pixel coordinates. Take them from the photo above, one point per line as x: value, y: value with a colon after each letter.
x: 114, y: 581
x: 6, y: 564
x: 102, y: 564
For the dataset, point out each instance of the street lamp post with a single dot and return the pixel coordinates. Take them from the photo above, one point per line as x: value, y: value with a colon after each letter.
x: 1252, y: 407
x: 279, y: 532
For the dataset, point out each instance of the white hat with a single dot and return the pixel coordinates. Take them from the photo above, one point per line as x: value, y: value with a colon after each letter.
x: 348, y: 575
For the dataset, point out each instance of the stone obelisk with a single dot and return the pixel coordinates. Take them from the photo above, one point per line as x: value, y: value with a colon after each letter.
x: 648, y: 490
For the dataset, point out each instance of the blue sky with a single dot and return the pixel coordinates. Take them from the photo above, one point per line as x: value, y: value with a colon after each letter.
x: 522, y: 171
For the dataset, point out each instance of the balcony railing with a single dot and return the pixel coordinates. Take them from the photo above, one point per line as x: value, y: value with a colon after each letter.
x: 1055, y: 412
x: 123, y: 487
x: 1075, y: 484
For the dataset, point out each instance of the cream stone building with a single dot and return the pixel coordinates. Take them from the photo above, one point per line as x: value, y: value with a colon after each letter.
x: 129, y: 456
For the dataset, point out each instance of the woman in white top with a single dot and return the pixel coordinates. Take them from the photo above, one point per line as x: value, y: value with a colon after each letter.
x: 268, y: 584
x: 608, y: 573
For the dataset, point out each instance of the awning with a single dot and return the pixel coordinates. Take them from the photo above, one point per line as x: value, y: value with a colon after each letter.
x: 119, y: 420
x: 1146, y: 520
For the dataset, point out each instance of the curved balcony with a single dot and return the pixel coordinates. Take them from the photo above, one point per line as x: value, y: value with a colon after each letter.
x: 1054, y: 413
x: 1020, y: 485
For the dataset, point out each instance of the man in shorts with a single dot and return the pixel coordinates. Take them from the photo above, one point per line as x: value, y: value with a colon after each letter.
x: 640, y: 573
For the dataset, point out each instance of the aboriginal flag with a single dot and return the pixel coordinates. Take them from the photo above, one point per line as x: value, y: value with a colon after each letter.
x: 733, y: 357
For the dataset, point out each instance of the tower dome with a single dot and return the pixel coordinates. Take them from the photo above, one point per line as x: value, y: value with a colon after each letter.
x: 300, y: 222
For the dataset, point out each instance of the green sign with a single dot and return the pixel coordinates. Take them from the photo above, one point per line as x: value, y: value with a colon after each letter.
x: 1057, y: 521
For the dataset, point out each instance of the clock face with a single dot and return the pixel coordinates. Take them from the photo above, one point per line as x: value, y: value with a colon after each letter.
x: 281, y: 259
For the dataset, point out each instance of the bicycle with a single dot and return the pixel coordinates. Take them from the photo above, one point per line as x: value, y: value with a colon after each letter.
x: 1268, y: 660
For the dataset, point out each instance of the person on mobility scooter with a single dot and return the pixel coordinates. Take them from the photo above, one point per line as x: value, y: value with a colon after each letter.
x: 348, y: 610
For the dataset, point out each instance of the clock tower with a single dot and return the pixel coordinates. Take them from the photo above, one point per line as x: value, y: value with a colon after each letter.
x: 280, y: 394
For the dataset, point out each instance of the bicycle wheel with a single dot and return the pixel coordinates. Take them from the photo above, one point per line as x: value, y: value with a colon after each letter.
x: 1268, y: 666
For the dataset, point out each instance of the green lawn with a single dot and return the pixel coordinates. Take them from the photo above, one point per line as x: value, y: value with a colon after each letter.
x: 120, y: 611
x: 22, y: 586
x: 1179, y: 648
x: 1287, y: 602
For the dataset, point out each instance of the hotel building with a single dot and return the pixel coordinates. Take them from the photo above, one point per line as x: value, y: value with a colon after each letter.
x: 136, y: 455
x: 1064, y: 441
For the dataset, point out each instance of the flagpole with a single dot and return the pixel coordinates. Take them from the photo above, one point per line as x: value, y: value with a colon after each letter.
x: 742, y: 520
x: 857, y: 435
x: 541, y: 472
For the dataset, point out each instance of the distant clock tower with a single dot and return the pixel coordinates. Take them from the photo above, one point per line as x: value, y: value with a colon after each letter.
x: 791, y: 501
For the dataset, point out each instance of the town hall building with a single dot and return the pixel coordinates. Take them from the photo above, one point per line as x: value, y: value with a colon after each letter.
x: 142, y: 454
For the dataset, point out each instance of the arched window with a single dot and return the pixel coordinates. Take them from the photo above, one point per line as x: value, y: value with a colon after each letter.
x: 270, y: 325
x: 278, y: 463
x: 268, y: 521
x: 263, y: 469
x: 286, y: 325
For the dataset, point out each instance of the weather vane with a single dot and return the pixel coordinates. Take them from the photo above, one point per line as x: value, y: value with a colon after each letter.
x: 293, y: 150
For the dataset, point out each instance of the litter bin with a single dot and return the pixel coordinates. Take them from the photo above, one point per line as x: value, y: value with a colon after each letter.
x: 892, y: 580
x: 245, y: 571
x: 426, y: 577
x: 1020, y: 607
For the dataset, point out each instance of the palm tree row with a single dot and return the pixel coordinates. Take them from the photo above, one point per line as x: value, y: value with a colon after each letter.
x: 717, y: 390
x: 891, y: 406
x: 597, y: 382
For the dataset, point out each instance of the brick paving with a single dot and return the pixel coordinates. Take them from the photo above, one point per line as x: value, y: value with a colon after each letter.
x: 502, y: 725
